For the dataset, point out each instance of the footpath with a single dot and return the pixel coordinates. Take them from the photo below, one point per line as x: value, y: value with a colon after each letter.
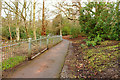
x: 47, y: 65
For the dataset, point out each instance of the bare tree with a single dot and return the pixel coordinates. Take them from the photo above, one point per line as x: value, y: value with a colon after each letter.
x: 9, y: 19
x: 25, y: 18
x: 34, y: 28
x: 70, y: 10
x: 30, y: 23
x: 17, y: 19
x: 21, y: 13
x: 43, y: 20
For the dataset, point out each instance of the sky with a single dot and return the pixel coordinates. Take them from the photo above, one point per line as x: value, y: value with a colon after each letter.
x: 49, y: 4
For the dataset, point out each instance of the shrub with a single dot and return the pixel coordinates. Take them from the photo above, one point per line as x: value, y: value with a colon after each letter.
x: 66, y: 30
x: 101, y: 24
x: 75, y: 31
x: 82, y: 45
x: 91, y: 43
x: 88, y: 43
x: 5, y: 32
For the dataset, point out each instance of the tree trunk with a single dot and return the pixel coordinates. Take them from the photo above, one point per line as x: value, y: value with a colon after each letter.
x: 9, y: 30
x: 60, y: 31
x: 34, y: 28
x: 43, y: 21
x: 17, y: 19
x: 30, y: 23
x: 17, y: 33
x: 26, y: 28
x: 26, y: 21
x: 61, y: 25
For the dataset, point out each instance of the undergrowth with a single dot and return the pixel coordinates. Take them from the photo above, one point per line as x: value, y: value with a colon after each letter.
x: 11, y: 62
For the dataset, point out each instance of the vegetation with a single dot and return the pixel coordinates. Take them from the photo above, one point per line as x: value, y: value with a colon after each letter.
x: 12, y: 61
x: 100, y: 24
x: 100, y: 61
x: 75, y: 31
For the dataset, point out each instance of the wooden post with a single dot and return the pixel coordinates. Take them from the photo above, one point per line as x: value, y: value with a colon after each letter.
x: 47, y: 41
x: 29, y: 49
x: 53, y: 40
x: 40, y: 41
x: 61, y: 37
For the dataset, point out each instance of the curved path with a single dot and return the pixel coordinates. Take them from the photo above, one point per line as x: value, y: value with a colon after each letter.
x: 47, y: 65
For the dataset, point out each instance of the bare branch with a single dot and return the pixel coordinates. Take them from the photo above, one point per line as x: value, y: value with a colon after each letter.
x: 65, y: 12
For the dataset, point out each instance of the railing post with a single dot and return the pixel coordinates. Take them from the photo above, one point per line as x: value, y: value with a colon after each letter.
x: 47, y: 41
x: 53, y: 40
x: 29, y: 49
x: 61, y: 37
x: 40, y: 41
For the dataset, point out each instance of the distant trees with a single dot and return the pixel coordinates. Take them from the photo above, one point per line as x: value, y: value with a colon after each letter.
x: 71, y: 10
x: 19, y: 13
x: 23, y: 22
x: 68, y: 16
x: 96, y: 18
x: 9, y: 17
x: 57, y: 23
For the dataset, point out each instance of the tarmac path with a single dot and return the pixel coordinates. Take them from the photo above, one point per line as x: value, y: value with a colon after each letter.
x: 47, y: 65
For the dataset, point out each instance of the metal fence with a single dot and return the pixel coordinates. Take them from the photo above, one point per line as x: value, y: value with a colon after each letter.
x: 28, y: 48
x: 13, y: 53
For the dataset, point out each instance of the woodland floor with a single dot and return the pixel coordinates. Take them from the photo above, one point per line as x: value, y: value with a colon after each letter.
x: 101, y: 61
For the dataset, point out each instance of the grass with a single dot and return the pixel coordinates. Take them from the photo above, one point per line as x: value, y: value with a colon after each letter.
x: 12, y: 62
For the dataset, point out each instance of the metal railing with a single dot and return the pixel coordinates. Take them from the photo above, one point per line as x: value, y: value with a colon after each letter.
x: 28, y: 48
x: 13, y: 53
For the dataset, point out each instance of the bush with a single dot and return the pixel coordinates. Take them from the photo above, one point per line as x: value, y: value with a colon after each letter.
x: 23, y: 33
x: 66, y: 30
x: 91, y: 43
x: 6, y: 34
x: 75, y: 31
x: 115, y: 32
x: 82, y: 45
x: 101, y: 24
x: 88, y: 43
